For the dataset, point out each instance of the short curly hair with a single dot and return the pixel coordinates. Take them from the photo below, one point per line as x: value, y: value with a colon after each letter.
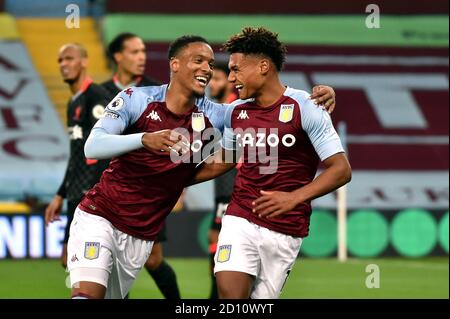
x: 258, y: 41
x: 180, y: 43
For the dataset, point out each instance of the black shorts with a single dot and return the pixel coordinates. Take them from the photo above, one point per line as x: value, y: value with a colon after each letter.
x: 162, y: 236
x: 221, y: 207
x: 71, y: 206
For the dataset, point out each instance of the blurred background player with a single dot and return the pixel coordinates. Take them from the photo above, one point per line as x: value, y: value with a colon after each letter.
x: 223, y: 91
x: 85, y: 107
x: 128, y: 53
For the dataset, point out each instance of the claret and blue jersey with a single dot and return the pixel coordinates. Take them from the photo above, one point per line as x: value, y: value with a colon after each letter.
x: 282, y: 145
x: 140, y: 187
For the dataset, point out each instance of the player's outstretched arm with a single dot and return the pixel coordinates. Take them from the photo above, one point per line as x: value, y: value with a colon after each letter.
x: 336, y: 174
x: 102, y: 144
x: 325, y: 96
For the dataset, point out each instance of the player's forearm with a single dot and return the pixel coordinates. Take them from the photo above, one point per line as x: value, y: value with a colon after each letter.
x: 215, y: 165
x: 334, y: 176
x: 211, y: 171
x: 102, y: 145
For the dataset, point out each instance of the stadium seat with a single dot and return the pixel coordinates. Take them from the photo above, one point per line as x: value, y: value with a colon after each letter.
x: 8, y: 28
x: 11, y: 188
x: 44, y: 8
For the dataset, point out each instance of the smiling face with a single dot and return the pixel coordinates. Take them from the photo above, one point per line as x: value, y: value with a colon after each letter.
x: 193, y: 66
x: 71, y: 63
x: 246, y: 74
x: 131, y: 59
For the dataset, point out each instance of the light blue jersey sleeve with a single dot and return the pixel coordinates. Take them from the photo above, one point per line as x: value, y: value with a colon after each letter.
x: 228, y: 137
x: 105, y: 139
x: 317, y: 123
x: 215, y: 112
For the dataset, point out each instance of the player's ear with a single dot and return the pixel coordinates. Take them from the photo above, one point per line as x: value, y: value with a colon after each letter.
x: 174, y: 64
x: 84, y: 62
x: 118, y: 57
x: 264, y: 66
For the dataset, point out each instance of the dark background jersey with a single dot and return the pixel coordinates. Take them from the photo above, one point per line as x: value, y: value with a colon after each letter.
x: 113, y: 89
x: 83, y: 111
x: 223, y: 188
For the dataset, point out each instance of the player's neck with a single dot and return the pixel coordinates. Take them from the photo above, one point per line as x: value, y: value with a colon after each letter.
x: 76, y: 85
x: 179, y: 100
x: 271, y: 92
x: 125, y: 78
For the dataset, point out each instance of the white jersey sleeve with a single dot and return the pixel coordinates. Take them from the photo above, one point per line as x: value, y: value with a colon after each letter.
x: 105, y: 139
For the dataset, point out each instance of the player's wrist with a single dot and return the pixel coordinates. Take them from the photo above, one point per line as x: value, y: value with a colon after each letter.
x: 297, y: 197
x: 143, y: 138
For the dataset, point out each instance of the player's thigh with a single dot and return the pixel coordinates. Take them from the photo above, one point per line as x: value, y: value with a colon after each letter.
x: 237, y: 247
x: 278, y: 255
x: 234, y: 284
x: 89, y: 248
x: 131, y: 255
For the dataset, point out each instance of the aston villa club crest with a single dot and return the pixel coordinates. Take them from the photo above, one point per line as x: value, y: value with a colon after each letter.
x: 286, y: 112
x: 198, y: 122
x: 224, y: 253
x: 91, y: 250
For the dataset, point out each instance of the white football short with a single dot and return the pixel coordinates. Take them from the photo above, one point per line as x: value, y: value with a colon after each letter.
x: 98, y: 252
x: 268, y: 255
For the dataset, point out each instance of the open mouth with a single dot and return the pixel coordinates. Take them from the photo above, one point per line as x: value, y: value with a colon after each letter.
x: 203, y: 80
x: 238, y: 86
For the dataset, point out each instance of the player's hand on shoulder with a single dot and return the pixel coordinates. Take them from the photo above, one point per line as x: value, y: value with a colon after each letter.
x: 272, y: 204
x: 53, y: 210
x: 324, y: 96
x: 166, y: 141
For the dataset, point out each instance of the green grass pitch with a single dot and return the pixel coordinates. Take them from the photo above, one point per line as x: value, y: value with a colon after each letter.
x: 310, y: 278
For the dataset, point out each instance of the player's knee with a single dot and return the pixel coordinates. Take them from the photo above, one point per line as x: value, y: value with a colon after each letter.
x: 153, y: 262
x: 234, y: 285
x: 231, y: 292
x: 80, y: 295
